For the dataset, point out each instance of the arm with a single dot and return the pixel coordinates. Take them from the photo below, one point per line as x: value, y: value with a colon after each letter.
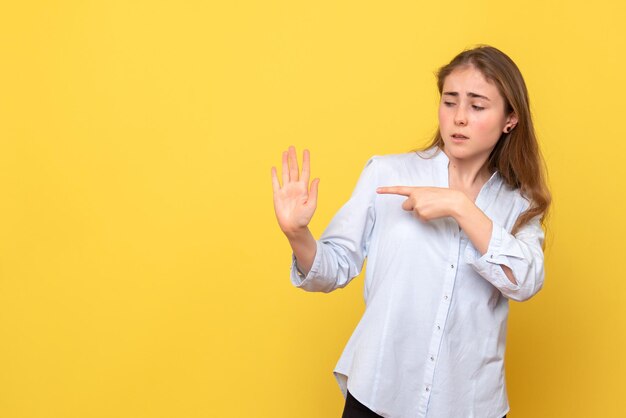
x: 511, y: 263
x: 344, y: 244
x: 478, y: 228
x: 337, y: 257
x: 304, y: 248
x: 521, y: 254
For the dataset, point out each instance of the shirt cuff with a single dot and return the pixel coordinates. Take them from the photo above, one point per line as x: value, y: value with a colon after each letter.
x: 499, y: 252
x: 297, y: 277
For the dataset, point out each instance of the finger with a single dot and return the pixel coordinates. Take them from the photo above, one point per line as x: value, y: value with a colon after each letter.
x: 313, y: 193
x: 285, y: 169
x: 293, y: 164
x: 275, y: 183
x: 408, y: 205
x: 306, y: 166
x: 401, y: 190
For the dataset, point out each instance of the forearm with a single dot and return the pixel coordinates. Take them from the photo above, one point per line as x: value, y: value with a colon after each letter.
x: 304, y: 247
x: 478, y: 228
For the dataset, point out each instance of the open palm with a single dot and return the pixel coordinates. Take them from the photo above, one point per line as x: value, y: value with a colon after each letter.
x: 294, y: 202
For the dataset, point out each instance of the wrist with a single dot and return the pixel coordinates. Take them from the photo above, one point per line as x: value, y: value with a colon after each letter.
x: 297, y: 234
x: 460, y: 205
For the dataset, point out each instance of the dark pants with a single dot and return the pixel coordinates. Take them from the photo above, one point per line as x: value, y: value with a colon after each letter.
x: 355, y: 409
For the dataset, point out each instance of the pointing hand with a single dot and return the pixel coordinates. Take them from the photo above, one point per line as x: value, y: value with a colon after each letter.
x: 427, y: 203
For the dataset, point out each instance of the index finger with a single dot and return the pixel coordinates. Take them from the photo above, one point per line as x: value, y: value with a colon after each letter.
x: 401, y: 190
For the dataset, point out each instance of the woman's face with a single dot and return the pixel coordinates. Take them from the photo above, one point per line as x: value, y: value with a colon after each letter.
x: 471, y: 115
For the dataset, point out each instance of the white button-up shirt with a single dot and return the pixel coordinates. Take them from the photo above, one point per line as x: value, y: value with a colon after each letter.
x: 431, y: 340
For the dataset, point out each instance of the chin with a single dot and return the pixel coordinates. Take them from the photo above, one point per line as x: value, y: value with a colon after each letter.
x: 457, y: 152
x: 456, y: 148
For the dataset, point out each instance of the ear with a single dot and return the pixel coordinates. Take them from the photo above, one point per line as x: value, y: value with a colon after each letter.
x: 511, y: 122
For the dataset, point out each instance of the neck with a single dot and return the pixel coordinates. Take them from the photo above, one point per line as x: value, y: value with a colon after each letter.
x: 467, y: 173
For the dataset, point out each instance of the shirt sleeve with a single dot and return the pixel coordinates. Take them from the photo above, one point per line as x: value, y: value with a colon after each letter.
x: 522, y: 253
x: 342, y: 247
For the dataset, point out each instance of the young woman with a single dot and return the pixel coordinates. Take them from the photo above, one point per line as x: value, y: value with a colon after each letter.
x: 451, y: 233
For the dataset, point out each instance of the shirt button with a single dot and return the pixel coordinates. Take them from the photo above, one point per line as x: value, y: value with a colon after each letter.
x: 427, y: 389
x: 451, y: 266
x: 446, y: 297
x: 491, y: 256
x: 432, y: 358
x: 438, y: 327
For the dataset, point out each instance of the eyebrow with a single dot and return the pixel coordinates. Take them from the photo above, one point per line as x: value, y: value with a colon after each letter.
x: 470, y: 94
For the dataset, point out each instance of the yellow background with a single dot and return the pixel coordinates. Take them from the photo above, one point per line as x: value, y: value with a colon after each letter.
x: 142, y: 273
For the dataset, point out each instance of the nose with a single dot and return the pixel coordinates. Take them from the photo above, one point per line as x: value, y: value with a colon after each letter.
x: 460, y: 118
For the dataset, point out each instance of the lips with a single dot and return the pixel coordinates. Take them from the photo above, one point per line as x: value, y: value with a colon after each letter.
x: 459, y: 136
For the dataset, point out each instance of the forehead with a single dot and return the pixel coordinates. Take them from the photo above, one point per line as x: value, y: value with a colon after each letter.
x: 468, y: 79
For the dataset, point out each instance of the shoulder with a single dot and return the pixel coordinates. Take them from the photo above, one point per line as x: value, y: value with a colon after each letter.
x: 514, y: 196
x: 417, y: 168
x: 394, y: 163
x: 390, y: 160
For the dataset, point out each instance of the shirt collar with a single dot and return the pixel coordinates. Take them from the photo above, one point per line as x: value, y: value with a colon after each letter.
x: 443, y: 161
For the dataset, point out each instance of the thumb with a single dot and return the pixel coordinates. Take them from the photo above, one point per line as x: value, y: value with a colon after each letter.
x: 408, y: 205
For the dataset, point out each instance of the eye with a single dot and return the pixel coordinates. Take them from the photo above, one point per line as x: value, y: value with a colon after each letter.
x: 477, y: 107
x: 448, y: 104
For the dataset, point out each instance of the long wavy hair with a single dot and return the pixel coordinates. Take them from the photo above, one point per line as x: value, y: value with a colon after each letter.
x: 516, y: 155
